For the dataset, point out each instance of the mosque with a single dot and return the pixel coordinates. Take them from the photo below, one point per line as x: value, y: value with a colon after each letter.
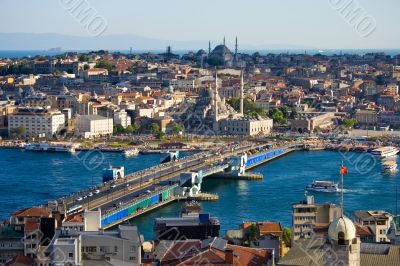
x: 222, y: 56
x: 213, y: 115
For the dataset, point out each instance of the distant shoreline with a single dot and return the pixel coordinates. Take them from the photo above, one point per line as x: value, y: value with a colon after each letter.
x: 327, y: 52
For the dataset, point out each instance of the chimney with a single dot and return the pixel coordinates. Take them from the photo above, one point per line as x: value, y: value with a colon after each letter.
x: 229, y: 256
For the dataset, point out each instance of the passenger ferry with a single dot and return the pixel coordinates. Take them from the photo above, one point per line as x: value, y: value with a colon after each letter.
x: 45, y: 147
x: 131, y: 152
x: 323, y: 186
x: 385, y: 152
x: 389, y: 166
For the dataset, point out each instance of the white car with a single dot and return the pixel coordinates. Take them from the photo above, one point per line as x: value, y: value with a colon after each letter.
x: 79, y: 199
x: 90, y: 194
x: 97, y: 191
x: 113, y: 186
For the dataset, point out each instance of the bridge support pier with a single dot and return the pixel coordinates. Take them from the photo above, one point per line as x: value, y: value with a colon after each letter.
x: 191, y: 185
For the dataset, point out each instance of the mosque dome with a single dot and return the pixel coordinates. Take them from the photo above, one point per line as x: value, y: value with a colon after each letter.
x: 221, y: 55
x: 342, y: 225
x: 256, y: 71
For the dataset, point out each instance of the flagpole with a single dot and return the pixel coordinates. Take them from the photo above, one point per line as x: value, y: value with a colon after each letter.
x: 342, y: 179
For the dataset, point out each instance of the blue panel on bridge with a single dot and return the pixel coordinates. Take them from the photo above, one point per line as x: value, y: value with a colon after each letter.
x: 154, y: 199
x: 264, y: 156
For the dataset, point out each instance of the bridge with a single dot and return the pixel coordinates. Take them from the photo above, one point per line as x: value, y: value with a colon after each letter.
x: 137, y: 193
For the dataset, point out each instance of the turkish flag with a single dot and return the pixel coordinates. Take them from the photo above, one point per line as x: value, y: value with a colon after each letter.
x: 343, y: 170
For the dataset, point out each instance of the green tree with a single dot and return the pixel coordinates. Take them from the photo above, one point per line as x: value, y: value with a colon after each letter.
x: 129, y: 129
x: 104, y: 64
x: 293, y: 114
x: 86, y: 67
x: 287, y: 236
x: 160, y: 135
x: 253, y: 231
x: 84, y: 58
x: 19, y: 131
x: 135, y: 127
x: 118, y: 129
x: 285, y: 111
x: 249, y: 107
x: 175, y: 128
x: 277, y: 116
x: 154, y: 128
x: 349, y: 122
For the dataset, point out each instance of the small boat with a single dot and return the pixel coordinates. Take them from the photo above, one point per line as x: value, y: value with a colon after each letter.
x: 131, y: 152
x: 45, y: 147
x: 323, y: 186
x: 385, y: 152
x: 389, y: 166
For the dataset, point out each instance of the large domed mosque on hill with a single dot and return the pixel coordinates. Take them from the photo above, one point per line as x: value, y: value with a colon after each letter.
x: 222, y: 56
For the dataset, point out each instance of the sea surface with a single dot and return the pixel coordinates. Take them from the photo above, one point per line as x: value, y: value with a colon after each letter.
x: 328, y: 52
x: 29, y: 178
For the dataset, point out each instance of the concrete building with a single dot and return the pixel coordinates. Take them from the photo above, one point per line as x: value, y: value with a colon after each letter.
x: 119, y: 247
x: 10, y: 243
x: 246, y: 126
x: 378, y: 221
x: 366, y: 117
x: 312, y: 121
x: 38, y: 122
x: 394, y: 231
x: 309, y: 217
x: 92, y: 126
x: 121, y: 118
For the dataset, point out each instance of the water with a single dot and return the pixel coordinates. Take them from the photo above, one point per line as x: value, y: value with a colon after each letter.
x: 328, y: 52
x: 32, y: 178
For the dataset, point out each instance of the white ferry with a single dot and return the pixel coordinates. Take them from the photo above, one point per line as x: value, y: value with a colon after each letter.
x: 385, y: 152
x: 131, y: 152
x: 45, y: 147
x: 389, y: 166
x: 323, y: 186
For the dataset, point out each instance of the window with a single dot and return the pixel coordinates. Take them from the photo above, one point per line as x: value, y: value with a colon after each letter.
x: 115, y: 249
x: 70, y: 255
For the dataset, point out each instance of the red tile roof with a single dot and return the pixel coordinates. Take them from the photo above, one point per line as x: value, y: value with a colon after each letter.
x: 18, y: 260
x: 32, y: 212
x: 31, y: 225
x: 269, y: 227
x: 242, y: 256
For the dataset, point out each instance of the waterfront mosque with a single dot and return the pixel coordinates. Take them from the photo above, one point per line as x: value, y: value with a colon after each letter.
x: 212, y: 114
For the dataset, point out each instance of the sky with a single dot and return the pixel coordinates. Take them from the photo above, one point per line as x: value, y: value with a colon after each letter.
x: 319, y: 24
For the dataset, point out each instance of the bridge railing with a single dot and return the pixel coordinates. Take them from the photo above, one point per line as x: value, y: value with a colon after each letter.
x: 135, y: 201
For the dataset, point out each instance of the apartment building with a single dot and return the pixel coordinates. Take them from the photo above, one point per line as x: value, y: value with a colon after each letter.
x: 309, y: 217
x: 37, y: 121
x: 378, y: 221
x: 92, y: 126
x: 119, y: 247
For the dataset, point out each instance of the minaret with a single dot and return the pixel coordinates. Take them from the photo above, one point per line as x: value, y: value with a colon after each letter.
x: 216, y: 117
x: 209, y: 47
x: 241, y: 94
x: 224, y: 41
x: 236, y: 47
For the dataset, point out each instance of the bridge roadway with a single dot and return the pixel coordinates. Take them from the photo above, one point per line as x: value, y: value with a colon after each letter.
x: 110, y: 194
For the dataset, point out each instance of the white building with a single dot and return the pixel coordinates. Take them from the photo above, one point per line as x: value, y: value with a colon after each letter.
x: 121, y: 118
x: 378, y: 221
x: 92, y: 126
x: 120, y: 247
x: 38, y: 121
x: 245, y: 126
